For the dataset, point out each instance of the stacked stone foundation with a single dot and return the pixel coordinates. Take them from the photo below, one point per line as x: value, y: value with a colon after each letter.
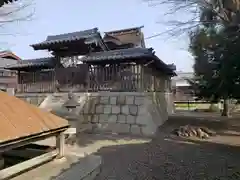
x: 119, y: 112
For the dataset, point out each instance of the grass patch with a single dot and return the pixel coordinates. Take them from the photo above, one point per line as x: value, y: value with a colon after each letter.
x: 203, y: 107
x: 185, y: 105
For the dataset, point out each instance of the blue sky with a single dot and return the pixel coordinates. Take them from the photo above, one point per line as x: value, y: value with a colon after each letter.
x: 60, y: 16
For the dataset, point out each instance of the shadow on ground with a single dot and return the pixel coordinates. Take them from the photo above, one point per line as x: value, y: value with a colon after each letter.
x: 167, y: 157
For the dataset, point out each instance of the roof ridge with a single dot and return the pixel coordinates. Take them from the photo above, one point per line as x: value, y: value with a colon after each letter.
x: 124, y: 50
x: 125, y: 30
x: 42, y: 58
x: 93, y: 30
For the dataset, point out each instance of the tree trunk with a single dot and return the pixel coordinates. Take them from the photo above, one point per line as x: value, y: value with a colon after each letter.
x: 225, y: 111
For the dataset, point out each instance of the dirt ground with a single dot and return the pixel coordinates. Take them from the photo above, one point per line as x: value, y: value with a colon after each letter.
x: 167, y: 157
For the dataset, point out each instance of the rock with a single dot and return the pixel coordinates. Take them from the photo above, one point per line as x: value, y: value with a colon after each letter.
x: 181, y: 134
x: 200, y: 133
x: 191, y: 131
x: 191, y: 134
x: 208, y: 131
x: 175, y: 131
x: 71, y: 140
x: 178, y: 133
x: 194, y: 132
x: 205, y: 136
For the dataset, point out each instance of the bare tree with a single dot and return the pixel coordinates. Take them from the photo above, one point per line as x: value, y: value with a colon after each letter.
x: 219, y: 12
x: 14, y: 12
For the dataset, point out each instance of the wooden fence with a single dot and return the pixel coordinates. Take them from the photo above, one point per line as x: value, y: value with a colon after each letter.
x: 84, y: 78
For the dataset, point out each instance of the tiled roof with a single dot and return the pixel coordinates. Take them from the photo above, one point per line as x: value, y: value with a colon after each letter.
x: 47, y: 62
x: 6, y: 1
x: 21, y: 120
x: 128, y: 54
x: 68, y: 37
x: 119, y: 54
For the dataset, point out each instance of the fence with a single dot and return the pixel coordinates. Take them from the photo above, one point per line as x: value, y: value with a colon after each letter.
x: 124, y: 77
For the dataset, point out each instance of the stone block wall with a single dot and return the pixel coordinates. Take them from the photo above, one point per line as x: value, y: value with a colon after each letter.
x: 116, y: 112
x: 32, y: 98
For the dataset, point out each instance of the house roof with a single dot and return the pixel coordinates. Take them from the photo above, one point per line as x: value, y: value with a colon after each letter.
x: 183, y: 76
x: 47, y: 62
x: 9, y: 55
x: 124, y: 55
x: 9, y: 1
x: 114, y: 42
x: 20, y: 120
x: 118, y: 54
x: 87, y: 35
x: 6, y: 1
x: 132, y: 36
x: 125, y: 30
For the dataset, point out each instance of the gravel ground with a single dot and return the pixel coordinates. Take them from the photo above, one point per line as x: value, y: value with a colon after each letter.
x: 171, y: 158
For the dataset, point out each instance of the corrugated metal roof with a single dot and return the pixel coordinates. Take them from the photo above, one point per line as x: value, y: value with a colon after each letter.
x: 119, y: 54
x: 68, y: 37
x: 20, y: 119
x: 47, y: 62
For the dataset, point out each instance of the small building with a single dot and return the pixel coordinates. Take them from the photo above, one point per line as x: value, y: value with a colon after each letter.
x: 23, y: 124
x: 87, y: 55
x: 125, y: 38
x: 119, y: 63
x: 182, y: 88
x: 8, y: 79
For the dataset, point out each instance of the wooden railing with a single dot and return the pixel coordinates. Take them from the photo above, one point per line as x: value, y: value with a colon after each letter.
x: 84, y: 78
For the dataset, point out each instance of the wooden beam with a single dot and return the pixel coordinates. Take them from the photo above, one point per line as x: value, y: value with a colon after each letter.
x: 24, y: 153
x: 60, y: 138
x: 26, y: 165
x: 29, y: 140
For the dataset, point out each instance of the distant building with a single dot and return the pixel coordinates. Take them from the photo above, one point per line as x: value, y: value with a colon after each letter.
x: 181, y: 87
x: 8, y: 79
x: 125, y: 38
x: 9, y: 55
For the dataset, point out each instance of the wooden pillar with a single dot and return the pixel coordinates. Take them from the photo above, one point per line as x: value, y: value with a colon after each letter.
x: 88, y: 78
x: 142, y: 79
x: 1, y: 162
x: 60, y: 144
x: 19, y: 83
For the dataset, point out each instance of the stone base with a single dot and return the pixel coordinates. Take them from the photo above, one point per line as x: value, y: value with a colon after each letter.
x: 116, y: 112
x: 126, y: 113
